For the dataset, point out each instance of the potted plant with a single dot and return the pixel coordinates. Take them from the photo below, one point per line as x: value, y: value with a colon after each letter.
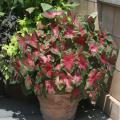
x: 63, y: 61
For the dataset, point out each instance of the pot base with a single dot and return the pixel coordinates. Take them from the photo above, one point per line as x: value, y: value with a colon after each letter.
x: 58, y: 107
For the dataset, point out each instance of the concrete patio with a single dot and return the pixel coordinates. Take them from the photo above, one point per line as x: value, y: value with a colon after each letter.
x: 13, y: 109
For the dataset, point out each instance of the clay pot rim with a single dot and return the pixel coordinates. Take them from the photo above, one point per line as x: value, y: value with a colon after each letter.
x: 69, y: 96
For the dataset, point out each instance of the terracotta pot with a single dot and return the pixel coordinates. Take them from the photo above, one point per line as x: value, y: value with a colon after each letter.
x: 58, y: 107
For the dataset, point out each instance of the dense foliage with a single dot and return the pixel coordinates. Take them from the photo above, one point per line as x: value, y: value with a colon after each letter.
x: 15, y: 5
x: 8, y: 26
x: 65, y: 55
x: 29, y: 11
x: 55, y: 52
x: 22, y: 16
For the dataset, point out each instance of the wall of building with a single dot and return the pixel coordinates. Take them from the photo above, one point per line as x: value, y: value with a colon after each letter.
x: 109, y: 21
x: 86, y: 7
x: 109, y: 18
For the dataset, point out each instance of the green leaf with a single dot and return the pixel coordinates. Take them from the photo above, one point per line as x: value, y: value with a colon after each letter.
x: 46, y: 7
x: 73, y: 5
x: 28, y: 84
x: 2, y: 14
x: 56, y: 53
x: 19, y: 1
x: 30, y: 10
x: 24, y: 90
x: 39, y: 80
x: 6, y: 76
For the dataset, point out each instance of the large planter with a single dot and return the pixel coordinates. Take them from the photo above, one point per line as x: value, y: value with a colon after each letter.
x: 58, y: 107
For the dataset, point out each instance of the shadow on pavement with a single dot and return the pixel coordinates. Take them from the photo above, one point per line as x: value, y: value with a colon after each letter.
x: 29, y: 110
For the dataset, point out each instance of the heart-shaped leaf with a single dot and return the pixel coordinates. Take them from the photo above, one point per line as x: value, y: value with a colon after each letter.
x: 46, y: 7
x: 2, y: 14
x: 30, y: 10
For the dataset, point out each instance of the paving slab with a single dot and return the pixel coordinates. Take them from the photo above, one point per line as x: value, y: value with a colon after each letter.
x: 12, y: 109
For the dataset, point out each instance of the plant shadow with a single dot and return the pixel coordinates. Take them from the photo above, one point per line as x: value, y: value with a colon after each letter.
x: 87, y: 111
x: 29, y: 110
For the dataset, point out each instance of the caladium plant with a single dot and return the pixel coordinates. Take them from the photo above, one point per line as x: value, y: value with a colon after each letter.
x: 65, y: 55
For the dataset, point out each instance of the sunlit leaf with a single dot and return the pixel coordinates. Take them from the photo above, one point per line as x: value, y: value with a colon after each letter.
x: 46, y: 6
x: 30, y: 10
x: 2, y: 14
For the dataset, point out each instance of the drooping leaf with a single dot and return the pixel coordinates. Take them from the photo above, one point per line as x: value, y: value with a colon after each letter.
x: 49, y: 86
x: 71, y: 5
x: 82, y: 62
x: 52, y: 14
x: 29, y: 61
x: 70, y: 32
x: 37, y: 89
x: 32, y: 40
x: 94, y: 15
x: 103, y: 58
x: 81, y: 41
x: 30, y: 10
x: 28, y: 82
x: 55, y: 29
x: 68, y: 61
x: 46, y: 6
x: 93, y: 76
x: 93, y: 48
x: 2, y: 14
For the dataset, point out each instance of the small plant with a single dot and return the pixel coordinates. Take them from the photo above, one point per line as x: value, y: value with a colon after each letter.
x: 8, y: 26
x: 65, y: 55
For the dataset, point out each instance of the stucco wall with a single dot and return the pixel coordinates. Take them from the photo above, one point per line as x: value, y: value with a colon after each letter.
x: 109, y: 18
x: 86, y: 7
